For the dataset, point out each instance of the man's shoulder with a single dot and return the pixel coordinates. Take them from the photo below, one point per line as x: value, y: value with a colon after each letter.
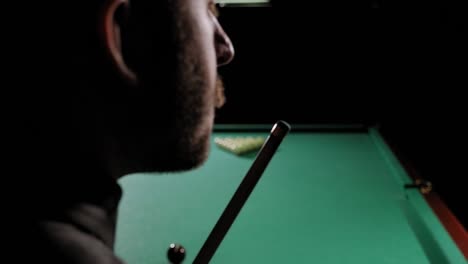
x: 52, y: 241
x: 65, y: 243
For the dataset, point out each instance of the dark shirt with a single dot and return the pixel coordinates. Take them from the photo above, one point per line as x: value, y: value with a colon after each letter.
x: 79, y: 229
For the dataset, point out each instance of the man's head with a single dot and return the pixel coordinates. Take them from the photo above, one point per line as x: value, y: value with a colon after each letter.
x: 141, y: 80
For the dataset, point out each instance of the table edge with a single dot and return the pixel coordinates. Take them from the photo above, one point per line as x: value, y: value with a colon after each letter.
x: 452, y: 225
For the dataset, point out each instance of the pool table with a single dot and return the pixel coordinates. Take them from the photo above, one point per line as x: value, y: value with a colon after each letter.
x: 330, y: 194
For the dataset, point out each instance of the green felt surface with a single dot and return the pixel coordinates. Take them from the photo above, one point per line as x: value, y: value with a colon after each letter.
x: 324, y: 198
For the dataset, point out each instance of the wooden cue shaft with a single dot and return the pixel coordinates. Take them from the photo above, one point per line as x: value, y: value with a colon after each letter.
x: 277, y: 134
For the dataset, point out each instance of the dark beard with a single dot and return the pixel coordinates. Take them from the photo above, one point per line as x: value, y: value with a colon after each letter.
x: 195, y: 104
x: 193, y: 97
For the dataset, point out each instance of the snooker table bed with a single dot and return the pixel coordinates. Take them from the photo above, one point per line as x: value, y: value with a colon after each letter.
x: 331, y: 194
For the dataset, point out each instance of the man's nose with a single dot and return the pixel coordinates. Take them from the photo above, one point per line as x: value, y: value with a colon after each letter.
x: 224, y: 47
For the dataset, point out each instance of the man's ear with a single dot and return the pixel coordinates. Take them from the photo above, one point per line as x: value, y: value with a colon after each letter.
x: 112, y: 17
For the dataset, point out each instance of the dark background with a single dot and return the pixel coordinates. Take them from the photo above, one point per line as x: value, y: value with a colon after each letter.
x: 401, y: 65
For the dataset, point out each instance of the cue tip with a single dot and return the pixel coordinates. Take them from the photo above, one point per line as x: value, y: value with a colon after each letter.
x: 282, y: 126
